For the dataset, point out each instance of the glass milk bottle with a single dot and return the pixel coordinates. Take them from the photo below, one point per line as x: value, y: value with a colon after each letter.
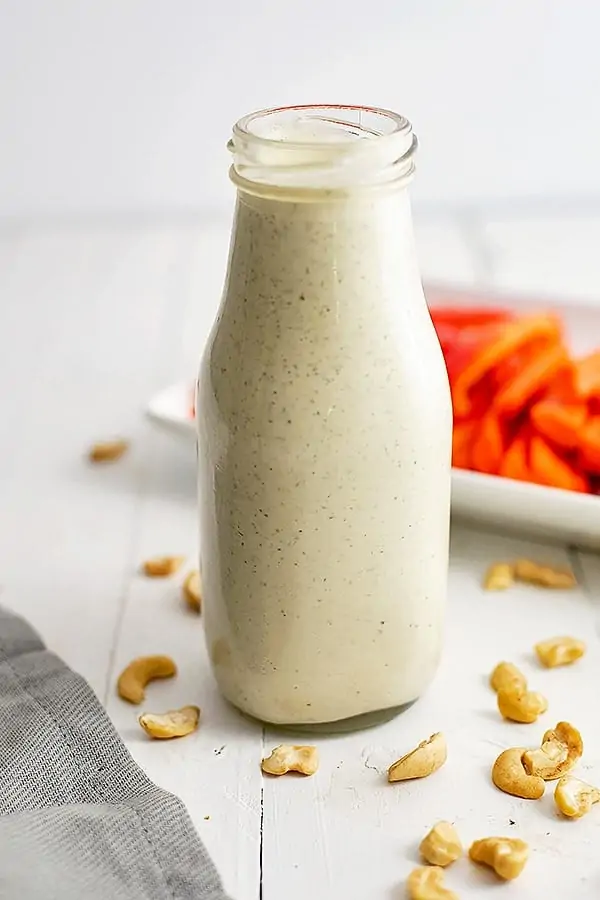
x: 324, y: 422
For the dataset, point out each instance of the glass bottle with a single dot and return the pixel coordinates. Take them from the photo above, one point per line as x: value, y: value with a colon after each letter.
x: 324, y: 421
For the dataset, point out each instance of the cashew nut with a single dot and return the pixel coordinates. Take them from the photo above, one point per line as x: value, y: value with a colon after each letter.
x: 506, y: 856
x: 575, y: 798
x: 427, y: 883
x: 291, y: 758
x: 506, y: 675
x: 140, y: 672
x: 424, y: 760
x: 162, y: 566
x: 509, y: 775
x: 442, y: 845
x: 560, y: 750
x: 108, y: 451
x: 520, y: 705
x: 544, y: 576
x: 192, y: 590
x: 172, y: 724
x: 498, y: 577
x: 559, y: 651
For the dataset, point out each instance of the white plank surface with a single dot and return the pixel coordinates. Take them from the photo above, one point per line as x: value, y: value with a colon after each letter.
x: 93, y: 320
x: 354, y: 835
x: 546, y: 256
x: 216, y: 769
x: 82, y: 323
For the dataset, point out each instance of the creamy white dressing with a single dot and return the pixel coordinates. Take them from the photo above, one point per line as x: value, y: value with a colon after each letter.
x: 325, y: 426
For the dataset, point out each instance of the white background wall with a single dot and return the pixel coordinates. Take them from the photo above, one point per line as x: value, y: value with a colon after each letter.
x: 125, y: 105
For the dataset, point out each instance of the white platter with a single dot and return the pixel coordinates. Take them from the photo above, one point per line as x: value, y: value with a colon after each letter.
x: 563, y: 515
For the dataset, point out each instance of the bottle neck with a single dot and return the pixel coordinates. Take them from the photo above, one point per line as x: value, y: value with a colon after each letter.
x: 333, y: 252
x: 321, y: 152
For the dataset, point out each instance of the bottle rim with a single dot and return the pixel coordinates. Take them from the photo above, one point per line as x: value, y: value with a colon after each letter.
x: 400, y: 124
x: 326, y: 147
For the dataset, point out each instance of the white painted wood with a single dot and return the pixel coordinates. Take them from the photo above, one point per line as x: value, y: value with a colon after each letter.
x: 82, y: 327
x: 155, y: 103
x: 216, y: 770
x: 546, y: 257
x: 92, y: 322
x: 348, y: 833
x: 91, y: 325
x: 446, y: 252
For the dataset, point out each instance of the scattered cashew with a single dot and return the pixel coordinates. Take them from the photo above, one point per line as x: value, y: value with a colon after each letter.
x: 108, y: 451
x: 441, y: 846
x: 427, y: 883
x: 544, y: 576
x: 498, y: 577
x: 501, y: 575
x: 575, y: 798
x: 509, y: 775
x: 506, y: 675
x: 172, y: 724
x: 560, y: 750
x: 506, y: 856
x: 520, y: 705
x: 291, y: 758
x: 559, y: 651
x: 424, y: 760
x: 192, y: 590
x: 162, y: 566
x: 140, y: 672
x: 548, y: 761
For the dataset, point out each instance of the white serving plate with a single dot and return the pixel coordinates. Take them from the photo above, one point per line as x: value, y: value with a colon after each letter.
x: 562, y: 515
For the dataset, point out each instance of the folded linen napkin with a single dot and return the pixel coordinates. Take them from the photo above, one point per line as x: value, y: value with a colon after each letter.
x: 79, y: 820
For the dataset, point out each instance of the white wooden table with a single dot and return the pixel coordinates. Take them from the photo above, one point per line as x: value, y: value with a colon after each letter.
x: 95, y: 317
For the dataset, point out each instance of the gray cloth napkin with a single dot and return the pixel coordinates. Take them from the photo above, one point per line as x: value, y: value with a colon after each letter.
x: 78, y: 819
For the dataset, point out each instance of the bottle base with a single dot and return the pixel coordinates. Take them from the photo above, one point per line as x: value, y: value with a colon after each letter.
x: 341, y: 726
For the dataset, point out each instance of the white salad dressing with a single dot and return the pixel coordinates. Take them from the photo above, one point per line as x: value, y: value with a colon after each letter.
x: 324, y: 431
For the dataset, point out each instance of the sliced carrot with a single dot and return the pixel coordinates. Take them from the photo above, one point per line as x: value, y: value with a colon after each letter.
x: 587, y: 375
x: 488, y: 446
x: 563, y: 388
x: 589, y: 445
x: 515, y: 462
x: 560, y: 423
x: 513, y: 336
x: 533, y: 378
x: 462, y: 442
x: 548, y: 468
x: 517, y: 361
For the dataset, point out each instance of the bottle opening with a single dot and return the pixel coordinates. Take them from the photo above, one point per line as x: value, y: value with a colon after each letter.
x: 322, y: 147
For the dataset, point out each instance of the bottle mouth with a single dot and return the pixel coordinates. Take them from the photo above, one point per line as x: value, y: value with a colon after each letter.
x: 323, y: 147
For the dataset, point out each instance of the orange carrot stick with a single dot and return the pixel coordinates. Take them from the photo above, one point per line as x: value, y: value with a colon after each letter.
x: 462, y: 442
x: 488, y: 446
x: 510, y: 367
x: 589, y: 445
x: 515, y: 463
x: 587, y: 375
x: 560, y: 423
x: 513, y: 336
x: 513, y: 397
x: 563, y: 389
x: 548, y: 468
